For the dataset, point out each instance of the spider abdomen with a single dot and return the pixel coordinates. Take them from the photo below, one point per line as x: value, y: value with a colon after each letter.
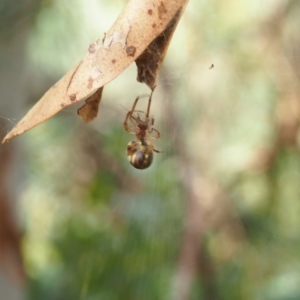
x: 140, y: 154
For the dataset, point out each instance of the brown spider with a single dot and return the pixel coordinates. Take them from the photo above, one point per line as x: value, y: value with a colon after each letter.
x: 140, y: 152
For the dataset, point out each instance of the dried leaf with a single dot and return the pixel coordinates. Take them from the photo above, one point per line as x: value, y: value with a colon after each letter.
x: 150, y: 61
x: 137, y: 26
x: 89, y: 111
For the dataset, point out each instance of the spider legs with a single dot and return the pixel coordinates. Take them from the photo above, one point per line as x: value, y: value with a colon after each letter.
x: 157, y: 133
x: 157, y: 151
x: 155, y: 137
x: 129, y: 114
x: 149, y: 104
x: 125, y: 125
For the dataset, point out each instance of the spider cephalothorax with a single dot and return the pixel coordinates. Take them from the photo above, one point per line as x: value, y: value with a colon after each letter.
x: 140, y: 152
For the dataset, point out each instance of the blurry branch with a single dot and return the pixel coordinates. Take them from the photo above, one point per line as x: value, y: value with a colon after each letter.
x: 284, y: 65
x: 207, y: 209
x: 10, y: 235
x: 287, y: 81
x: 15, y: 22
x: 192, y: 241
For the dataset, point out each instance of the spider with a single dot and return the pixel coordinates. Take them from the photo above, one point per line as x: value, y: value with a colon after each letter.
x: 140, y: 152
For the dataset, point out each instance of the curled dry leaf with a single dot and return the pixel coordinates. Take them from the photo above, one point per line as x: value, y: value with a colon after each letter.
x: 88, y: 112
x: 142, y: 32
x: 150, y: 61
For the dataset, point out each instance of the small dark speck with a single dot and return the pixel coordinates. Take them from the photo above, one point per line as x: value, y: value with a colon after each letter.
x: 62, y: 104
x: 153, y: 25
x: 130, y: 50
x: 90, y: 81
x: 150, y: 12
x: 73, y: 97
x: 113, y: 61
x: 212, y: 65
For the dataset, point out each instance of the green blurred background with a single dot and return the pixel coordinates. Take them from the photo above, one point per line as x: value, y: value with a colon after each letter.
x: 217, y: 215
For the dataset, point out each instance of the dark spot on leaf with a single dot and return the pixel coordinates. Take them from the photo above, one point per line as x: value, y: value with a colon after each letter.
x: 161, y: 10
x: 130, y: 50
x: 212, y: 65
x: 92, y: 48
x: 62, y: 104
x: 150, y: 12
x: 153, y: 25
x: 73, y: 97
x: 90, y: 85
x: 113, y: 61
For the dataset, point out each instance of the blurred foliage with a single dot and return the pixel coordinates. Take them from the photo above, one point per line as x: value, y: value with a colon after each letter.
x: 98, y: 229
